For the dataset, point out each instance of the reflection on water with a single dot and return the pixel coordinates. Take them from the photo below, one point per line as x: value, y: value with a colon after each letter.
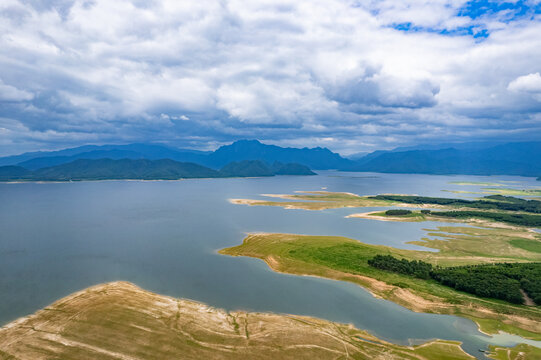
x: 163, y: 236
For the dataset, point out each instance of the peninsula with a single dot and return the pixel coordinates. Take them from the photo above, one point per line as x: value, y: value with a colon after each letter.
x: 425, y: 281
x: 121, y: 321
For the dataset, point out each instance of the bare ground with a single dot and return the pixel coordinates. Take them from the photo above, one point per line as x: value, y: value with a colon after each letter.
x: 121, y: 321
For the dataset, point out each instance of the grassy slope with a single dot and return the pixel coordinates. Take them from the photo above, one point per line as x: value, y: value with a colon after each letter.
x: 346, y: 259
x: 120, y: 321
x: 518, y: 352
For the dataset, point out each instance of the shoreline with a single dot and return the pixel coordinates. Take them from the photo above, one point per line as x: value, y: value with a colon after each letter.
x: 133, y: 180
x: 408, y: 298
x: 207, y: 329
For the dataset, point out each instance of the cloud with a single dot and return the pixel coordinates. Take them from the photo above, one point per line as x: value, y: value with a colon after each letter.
x: 11, y: 93
x: 353, y: 75
x: 530, y: 83
x: 385, y: 91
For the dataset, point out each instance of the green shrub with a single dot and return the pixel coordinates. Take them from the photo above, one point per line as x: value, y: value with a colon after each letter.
x: 500, y: 281
x: 397, y: 212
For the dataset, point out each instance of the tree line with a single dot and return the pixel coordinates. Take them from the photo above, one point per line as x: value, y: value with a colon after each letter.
x: 491, y: 202
x: 500, y: 281
x: 397, y: 212
x: 515, y: 219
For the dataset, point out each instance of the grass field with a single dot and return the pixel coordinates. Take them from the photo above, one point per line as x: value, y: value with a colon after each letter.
x: 513, y: 192
x: 346, y: 259
x: 529, y: 245
x: 495, y: 188
x: 518, y: 352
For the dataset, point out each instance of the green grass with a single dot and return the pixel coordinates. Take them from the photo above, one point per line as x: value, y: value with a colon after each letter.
x: 512, y: 218
x: 343, y: 259
x: 535, y: 193
x: 519, y: 352
x: 529, y: 245
x: 513, y: 192
x: 493, y: 326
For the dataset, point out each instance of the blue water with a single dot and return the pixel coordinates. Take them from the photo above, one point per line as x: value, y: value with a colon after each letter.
x: 58, y: 238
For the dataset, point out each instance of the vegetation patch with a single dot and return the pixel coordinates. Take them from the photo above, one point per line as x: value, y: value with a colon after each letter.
x: 348, y: 260
x: 415, y: 268
x: 500, y: 281
x: 492, y: 202
x: 530, y: 245
x: 514, y: 192
x: 397, y: 212
x: 514, y: 219
x: 519, y: 352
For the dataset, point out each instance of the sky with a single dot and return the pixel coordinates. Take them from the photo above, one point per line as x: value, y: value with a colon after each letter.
x: 352, y: 76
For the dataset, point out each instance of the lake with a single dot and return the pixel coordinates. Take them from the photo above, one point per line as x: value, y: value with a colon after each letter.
x: 58, y: 238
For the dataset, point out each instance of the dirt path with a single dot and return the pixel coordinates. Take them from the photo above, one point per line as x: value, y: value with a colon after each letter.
x: 527, y: 300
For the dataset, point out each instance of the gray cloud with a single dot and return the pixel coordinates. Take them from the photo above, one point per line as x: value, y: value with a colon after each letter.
x: 329, y: 73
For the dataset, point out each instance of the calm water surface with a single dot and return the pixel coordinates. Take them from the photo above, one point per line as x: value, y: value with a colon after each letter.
x: 62, y: 237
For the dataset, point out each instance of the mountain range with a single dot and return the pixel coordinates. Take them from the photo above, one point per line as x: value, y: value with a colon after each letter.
x: 144, y: 169
x: 523, y: 158
x: 315, y: 158
x: 519, y: 158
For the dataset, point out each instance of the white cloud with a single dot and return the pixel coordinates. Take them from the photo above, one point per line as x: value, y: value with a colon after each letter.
x: 275, y: 70
x: 527, y: 83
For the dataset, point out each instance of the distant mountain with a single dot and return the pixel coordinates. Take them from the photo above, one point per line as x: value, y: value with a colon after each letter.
x: 315, y: 158
x: 102, y: 169
x: 247, y: 168
x: 291, y: 169
x: 477, y: 145
x: 476, y: 158
x: 37, y: 160
x: 507, y: 159
x: 13, y: 172
x: 144, y: 169
x: 357, y: 156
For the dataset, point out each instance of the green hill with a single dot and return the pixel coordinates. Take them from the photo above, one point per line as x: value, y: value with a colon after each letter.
x: 143, y: 169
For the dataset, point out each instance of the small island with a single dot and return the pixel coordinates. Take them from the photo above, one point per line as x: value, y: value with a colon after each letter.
x: 492, y: 209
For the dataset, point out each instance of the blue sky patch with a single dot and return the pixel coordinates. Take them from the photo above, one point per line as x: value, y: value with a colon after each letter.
x: 507, y: 10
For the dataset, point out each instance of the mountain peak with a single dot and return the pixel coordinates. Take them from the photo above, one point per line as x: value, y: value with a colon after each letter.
x: 247, y: 141
x: 244, y: 143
